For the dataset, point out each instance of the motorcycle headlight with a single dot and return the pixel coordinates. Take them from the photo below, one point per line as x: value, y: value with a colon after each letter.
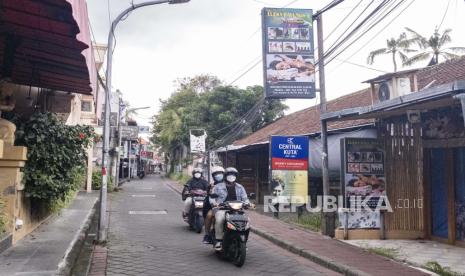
x: 198, y: 204
x: 235, y: 205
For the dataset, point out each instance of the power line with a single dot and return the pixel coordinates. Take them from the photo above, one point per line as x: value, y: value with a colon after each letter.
x: 342, y: 21
x: 373, y: 37
x: 247, y: 71
x: 373, y: 25
x: 444, y: 16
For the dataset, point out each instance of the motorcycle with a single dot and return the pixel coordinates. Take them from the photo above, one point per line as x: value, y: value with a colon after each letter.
x: 236, y: 232
x: 195, y: 217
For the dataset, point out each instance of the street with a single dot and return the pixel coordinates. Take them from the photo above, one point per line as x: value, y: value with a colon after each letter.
x: 144, y: 243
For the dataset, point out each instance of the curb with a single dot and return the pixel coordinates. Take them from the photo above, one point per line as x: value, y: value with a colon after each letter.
x: 310, y: 255
x: 72, y: 253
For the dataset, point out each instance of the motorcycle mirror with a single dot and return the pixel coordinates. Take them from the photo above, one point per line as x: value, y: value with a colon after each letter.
x: 214, y: 195
x: 252, y: 195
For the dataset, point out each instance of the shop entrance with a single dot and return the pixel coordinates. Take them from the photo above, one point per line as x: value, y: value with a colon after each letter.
x: 446, y: 175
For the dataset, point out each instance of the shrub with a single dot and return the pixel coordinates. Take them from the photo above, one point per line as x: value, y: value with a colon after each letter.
x: 56, y: 157
x: 3, y: 217
x: 97, y: 181
x: 440, y: 270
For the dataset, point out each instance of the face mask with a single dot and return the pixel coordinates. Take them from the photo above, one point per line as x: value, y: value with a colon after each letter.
x: 197, y: 175
x: 231, y: 178
x: 219, y: 177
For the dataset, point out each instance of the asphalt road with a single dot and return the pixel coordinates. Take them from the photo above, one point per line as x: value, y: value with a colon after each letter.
x: 144, y: 242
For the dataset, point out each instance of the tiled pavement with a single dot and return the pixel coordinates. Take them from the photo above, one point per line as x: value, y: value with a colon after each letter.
x: 163, y: 245
x: 331, y: 250
x: 419, y: 252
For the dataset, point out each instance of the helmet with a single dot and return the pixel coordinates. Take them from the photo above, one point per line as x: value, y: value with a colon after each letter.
x: 217, y: 169
x: 231, y: 170
x: 197, y: 170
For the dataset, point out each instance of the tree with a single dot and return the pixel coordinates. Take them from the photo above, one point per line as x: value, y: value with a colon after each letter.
x: 399, y: 46
x: 204, y: 102
x: 433, y: 47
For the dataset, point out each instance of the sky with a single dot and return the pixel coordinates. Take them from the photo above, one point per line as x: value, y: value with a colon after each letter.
x: 158, y: 44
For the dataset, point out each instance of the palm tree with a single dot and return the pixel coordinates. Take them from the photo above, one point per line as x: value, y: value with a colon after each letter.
x: 433, y: 47
x: 399, y: 46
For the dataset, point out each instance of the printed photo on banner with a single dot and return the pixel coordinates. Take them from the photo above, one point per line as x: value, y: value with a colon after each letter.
x: 290, y: 68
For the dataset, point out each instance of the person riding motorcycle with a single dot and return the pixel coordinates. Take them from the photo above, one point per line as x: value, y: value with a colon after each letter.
x: 218, y: 177
x: 229, y: 190
x: 196, y: 183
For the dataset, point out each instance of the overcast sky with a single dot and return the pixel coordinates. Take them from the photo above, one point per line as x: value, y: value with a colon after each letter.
x: 158, y: 44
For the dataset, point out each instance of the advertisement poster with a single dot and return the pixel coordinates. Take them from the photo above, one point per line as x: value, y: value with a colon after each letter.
x: 289, y: 167
x: 363, y: 178
x: 288, y: 53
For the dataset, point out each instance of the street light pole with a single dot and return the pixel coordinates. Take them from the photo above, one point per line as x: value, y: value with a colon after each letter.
x: 102, y: 227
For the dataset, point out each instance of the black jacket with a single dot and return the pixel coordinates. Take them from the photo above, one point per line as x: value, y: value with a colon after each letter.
x: 195, y: 184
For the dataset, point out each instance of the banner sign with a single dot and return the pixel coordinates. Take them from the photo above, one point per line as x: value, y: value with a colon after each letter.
x: 288, y: 53
x: 363, y: 178
x: 129, y: 132
x: 198, y: 142
x: 289, y: 166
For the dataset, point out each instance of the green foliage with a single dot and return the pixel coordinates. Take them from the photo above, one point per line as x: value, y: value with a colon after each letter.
x: 180, y: 177
x: 202, y: 102
x: 390, y: 253
x: 3, y: 217
x: 440, y: 270
x: 97, y: 181
x: 311, y: 221
x: 56, y: 157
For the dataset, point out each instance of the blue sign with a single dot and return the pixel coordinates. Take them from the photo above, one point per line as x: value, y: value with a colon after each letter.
x: 286, y: 149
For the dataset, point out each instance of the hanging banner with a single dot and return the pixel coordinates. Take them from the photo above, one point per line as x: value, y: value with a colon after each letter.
x: 289, y: 167
x: 288, y: 53
x: 363, y: 179
x: 198, y: 142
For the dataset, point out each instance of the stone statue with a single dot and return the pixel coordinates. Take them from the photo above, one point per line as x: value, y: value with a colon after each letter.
x: 7, y: 103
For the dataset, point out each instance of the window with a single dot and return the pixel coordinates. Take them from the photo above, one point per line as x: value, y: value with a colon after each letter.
x: 86, y: 106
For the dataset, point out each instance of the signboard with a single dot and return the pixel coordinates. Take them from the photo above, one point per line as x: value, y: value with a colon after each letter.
x: 288, y: 53
x: 198, y: 142
x: 289, y: 167
x: 129, y: 132
x: 363, y: 178
x: 144, y: 129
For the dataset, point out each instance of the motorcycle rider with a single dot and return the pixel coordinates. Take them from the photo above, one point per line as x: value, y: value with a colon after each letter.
x: 218, y: 177
x: 229, y: 190
x: 196, y: 183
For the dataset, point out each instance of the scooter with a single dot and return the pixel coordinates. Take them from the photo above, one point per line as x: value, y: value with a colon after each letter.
x: 236, y: 232
x: 195, y: 217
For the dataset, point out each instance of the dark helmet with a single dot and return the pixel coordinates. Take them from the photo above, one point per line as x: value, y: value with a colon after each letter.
x: 231, y: 170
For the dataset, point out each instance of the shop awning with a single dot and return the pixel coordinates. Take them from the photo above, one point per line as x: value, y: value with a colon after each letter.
x: 41, y: 44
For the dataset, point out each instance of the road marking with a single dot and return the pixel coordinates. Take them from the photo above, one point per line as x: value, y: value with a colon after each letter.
x: 144, y: 189
x: 143, y: 195
x: 157, y: 212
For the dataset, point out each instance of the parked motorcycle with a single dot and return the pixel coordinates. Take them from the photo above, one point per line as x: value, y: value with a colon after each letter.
x: 195, y: 217
x: 236, y: 232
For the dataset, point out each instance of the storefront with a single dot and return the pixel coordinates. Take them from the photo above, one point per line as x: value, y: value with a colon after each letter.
x: 423, y: 135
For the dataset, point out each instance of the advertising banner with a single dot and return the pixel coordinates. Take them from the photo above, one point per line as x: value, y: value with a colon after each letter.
x: 288, y: 53
x: 289, y: 167
x: 129, y: 133
x: 198, y: 142
x: 363, y: 179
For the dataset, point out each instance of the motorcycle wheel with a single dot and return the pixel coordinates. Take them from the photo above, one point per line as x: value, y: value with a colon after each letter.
x: 198, y: 223
x: 239, y: 248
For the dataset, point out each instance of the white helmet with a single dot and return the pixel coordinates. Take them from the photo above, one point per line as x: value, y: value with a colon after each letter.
x: 217, y: 169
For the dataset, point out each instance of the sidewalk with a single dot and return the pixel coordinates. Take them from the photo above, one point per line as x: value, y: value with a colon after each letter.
x: 51, y: 249
x: 420, y: 252
x: 331, y: 253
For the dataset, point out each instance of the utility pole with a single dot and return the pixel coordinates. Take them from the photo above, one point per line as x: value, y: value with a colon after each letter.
x: 102, y: 227
x: 118, y: 154
x: 327, y: 223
